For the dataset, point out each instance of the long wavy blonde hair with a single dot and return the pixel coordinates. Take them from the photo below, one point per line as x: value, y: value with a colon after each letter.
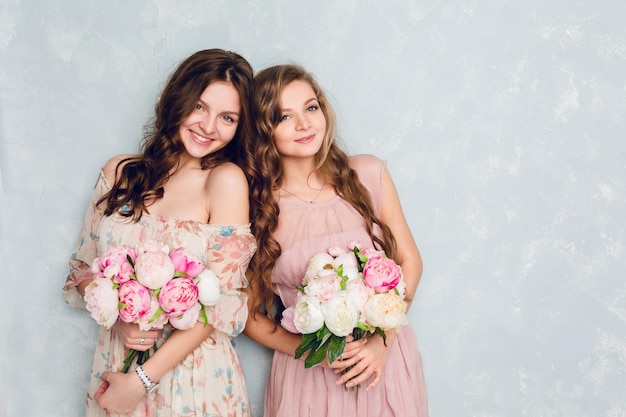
x: 266, y: 176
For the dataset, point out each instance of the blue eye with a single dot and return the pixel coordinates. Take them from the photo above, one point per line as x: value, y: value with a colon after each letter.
x: 312, y: 108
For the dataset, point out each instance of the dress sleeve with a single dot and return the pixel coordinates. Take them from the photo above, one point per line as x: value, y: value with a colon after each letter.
x: 228, y: 257
x: 86, y: 248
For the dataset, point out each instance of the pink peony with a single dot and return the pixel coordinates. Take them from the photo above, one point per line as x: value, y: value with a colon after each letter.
x: 185, y: 261
x: 154, y: 269
x: 135, y: 299
x: 287, y: 320
x: 102, y: 301
x: 381, y: 273
x: 323, y: 288
x: 360, y: 292
x: 114, y: 263
x: 178, y: 296
x: 154, y: 317
x: 186, y: 320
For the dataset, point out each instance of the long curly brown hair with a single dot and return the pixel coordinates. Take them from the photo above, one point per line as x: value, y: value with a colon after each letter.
x: 140, y: 179
x: 266, y: 176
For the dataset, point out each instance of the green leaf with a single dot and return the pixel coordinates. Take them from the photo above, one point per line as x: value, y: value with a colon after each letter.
x: 322, y: 336
x: 360, y: 257
x: 382, y: 334
x: 205, y: 319
x: 336, y: 347
x: 316, y: 357
x: 156, y: 315
x: 130, y: 261
x: 344, y: 282
x: 307, y: 343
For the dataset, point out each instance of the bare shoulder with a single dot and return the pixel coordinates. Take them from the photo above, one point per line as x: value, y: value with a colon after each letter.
x: 227, y: 177
x: 110, y: 168
x: 227, y: 195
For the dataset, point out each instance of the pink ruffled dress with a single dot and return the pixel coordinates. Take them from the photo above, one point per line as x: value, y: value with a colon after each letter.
x: 292, y: 390
x: 210, y: 380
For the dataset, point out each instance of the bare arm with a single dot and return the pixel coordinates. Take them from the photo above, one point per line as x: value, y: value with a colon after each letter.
x: 227, y: 203
x: 373, y: 356
x: 409, y: 256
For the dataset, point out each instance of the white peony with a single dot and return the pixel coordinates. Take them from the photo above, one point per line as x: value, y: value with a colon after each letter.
x: 346, y: 259
x: 341, y: 313
x: 308, y: 317
x: 386, y: 310
x: 316, y: 265
x: 102, y: 301
x: 208, y: 287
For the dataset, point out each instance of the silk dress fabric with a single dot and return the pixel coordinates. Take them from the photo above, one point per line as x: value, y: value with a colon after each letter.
x: 292, y: 390
x: 210, y: 380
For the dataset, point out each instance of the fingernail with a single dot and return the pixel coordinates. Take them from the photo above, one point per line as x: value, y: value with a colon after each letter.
x: 339, y: 382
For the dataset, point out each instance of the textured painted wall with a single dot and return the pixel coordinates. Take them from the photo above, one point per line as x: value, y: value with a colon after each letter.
x: 503, y: 123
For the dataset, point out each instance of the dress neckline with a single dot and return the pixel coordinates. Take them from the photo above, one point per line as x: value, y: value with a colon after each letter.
x: 166, y: 219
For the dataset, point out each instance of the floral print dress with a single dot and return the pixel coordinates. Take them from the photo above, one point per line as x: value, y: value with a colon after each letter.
x: 210, y: 380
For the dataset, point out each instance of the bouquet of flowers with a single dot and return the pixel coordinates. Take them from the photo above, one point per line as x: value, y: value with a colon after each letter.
x: 150, y: 285
x: 358, y: 292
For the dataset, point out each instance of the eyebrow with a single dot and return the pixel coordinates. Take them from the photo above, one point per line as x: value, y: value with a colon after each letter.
x: 305, y: 103
x: 224, y: 112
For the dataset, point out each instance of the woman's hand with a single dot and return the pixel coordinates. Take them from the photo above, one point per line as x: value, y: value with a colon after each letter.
x: 120, y: 393
x: 134, y: 338
x: 370, y: 360
x: 350, y: 355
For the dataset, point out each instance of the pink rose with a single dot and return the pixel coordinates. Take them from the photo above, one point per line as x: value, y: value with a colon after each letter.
x: 102, y: 301
x: 185, y: 261
x: 135, y: 299
x: 154, y: 269
x: 178, y: 296
x: 381, y: 273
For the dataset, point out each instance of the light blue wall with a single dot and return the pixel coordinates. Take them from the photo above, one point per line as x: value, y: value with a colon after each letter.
x: 503, y: 123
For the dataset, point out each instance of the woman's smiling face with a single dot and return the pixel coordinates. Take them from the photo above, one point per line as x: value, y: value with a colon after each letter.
x: 213, y: 122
